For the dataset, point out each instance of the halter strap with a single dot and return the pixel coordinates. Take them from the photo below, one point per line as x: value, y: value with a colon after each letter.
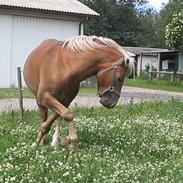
x: 115, y: 65
x: 111, y: 87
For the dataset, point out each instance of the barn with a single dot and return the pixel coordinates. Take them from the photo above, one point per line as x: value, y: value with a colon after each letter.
x: 157, y: 59
x: 26, y: 23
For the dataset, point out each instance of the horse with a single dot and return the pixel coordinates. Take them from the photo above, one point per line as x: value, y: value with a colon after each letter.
x: 54, y: 70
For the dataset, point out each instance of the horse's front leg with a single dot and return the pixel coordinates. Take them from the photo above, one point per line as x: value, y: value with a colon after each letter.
x: 52, y: 103
x: 71, y: 140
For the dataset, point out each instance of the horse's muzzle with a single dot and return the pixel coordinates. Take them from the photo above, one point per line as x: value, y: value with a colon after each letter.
x: 109, y: 99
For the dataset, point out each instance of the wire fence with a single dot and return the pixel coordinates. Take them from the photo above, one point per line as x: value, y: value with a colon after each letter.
x: 128, y: 95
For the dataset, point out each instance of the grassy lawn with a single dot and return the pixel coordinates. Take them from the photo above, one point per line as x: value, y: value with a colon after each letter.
x: 6, y: 93
x: 13, y: 93
x: 150, y: 84
x: 154, y: 84
x: 134, y: 143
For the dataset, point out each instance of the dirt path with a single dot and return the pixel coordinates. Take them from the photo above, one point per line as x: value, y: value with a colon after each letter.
x: 129, y: 94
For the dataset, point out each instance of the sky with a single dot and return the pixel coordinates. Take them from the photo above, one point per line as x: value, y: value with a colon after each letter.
x: 157, y: 4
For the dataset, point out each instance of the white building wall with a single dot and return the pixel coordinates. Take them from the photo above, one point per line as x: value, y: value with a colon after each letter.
x: 5, y: 49
x: 149, y: 60
x: 22, y: 35
x: 146, y: 60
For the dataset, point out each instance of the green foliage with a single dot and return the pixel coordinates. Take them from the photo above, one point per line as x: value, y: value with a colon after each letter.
x: 131, y: 22
x: 147, y: 30
x: 174, y: 31
x: 132, y: 143
x: 144, y: 76
x: 165, y: 17
x: 123, y: 21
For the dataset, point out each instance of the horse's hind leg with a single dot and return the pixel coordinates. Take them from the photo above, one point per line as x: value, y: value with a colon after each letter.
x: 45, y: 128
x: 56, y: 136
x: 43, y: 115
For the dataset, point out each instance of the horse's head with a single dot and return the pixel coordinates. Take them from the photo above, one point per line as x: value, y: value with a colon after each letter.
x: 110, y: 81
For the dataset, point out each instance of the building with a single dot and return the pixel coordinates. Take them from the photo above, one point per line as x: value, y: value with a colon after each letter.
x: 156, y: 59
x: 26, y: 23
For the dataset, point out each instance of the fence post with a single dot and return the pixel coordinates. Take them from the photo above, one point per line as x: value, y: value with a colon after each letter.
x: 172, y: 78
x: 20, y: 91
x: 150, y: 75
x: 178, y: 80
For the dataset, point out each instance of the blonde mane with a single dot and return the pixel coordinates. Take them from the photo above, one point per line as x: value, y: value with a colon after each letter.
x: 84, y: 43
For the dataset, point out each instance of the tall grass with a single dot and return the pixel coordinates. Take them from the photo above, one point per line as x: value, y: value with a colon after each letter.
x: 135, y: 143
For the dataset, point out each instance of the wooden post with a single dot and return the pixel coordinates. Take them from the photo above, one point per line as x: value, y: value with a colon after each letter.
x: 150, y: 75
x: 172, y: 78
x: 140, y: 65
x: 20, y: 91
x: 178, y: 80
x: 158, y: 66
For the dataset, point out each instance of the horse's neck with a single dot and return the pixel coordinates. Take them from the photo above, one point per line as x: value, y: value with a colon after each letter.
x: 89, y: 65
x: 87, y: 68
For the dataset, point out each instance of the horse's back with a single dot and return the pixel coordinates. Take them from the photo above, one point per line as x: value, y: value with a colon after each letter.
x: 34, y: 63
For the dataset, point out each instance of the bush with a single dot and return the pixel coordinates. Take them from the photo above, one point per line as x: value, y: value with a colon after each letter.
x: 174, y: 31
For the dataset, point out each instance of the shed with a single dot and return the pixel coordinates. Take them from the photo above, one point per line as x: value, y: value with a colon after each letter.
x: 157, y: 59
x: 26, y: 23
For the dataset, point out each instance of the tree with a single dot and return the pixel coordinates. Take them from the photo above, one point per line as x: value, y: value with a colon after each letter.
x: 147, y: 29
x: 118, y: 20
x: 174, y: 31
x: 165, y: 17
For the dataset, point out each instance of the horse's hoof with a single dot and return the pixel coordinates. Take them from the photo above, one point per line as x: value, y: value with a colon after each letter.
x: 65, y: 141
x: 34, y: 145
x: 55, y: 144
x: 44, y: 141
x: 72, y: 147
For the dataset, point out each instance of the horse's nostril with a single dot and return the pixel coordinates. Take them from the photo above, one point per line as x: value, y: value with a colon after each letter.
x: 109, y: 99
x: 113, y: 105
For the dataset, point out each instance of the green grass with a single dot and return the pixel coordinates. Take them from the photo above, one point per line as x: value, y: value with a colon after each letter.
x: 13, y: 93
x: 154, y: 84
x: 140, y: 143
x: 87, y: 90
x: 150, y: 84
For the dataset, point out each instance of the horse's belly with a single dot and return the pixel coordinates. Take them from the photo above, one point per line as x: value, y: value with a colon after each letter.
x: 66, y: 96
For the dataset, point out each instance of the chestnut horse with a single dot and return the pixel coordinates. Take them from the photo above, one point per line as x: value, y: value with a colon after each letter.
x: 54, y: 70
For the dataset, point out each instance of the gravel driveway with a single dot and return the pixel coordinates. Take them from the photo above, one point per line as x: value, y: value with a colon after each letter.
x: 129, y: 94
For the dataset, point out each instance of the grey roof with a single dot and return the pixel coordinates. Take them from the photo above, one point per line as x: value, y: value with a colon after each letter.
x: 64, y: 6
x: 139, y: 50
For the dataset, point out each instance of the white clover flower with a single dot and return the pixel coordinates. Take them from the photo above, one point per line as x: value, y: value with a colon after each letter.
x: 66, y: 174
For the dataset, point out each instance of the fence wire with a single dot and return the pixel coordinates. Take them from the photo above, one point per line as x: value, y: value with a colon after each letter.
x: 128, y: 95
x: 88, y: 97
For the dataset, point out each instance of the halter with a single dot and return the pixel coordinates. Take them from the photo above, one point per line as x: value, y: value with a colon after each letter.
x: 111, y: 87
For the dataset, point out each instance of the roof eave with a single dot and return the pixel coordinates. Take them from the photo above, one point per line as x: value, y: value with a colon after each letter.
x: 13, y: 10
